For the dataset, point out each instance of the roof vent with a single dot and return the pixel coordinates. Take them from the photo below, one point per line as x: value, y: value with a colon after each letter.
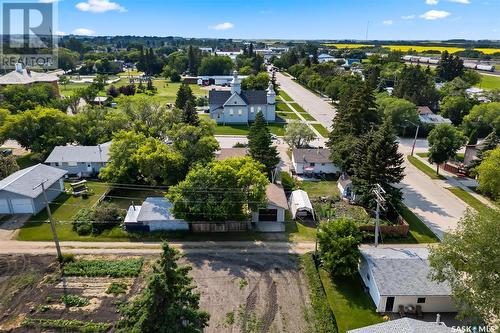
x: 19, y: 67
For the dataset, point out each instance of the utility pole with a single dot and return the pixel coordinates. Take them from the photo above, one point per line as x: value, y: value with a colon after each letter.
x: 379, y: 198
x: 416, y: 136
x: 52, y: 223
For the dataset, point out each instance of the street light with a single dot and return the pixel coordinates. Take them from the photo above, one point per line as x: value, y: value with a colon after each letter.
x: 416, y: 135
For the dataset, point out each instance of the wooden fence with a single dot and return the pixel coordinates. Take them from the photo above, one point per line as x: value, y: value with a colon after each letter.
x: 226, y: 226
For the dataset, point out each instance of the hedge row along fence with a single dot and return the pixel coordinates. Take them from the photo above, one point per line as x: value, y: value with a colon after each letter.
x: 324, y: 319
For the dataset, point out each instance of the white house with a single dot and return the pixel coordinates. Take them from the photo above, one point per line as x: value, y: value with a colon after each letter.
x: 154, y: 214
x: 241, y: 106
x: 344, y: 184
x: 272, y: 217
x: 399, y: 277
x: 313, y: 161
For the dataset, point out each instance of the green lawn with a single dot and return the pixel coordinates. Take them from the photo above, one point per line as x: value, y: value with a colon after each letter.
x: 26, y: 161
x: 241, y: 129
x: 288, y: 115
x: 280, y: 106
x: 307, y: 117
x: 284, y: 96
x: 458, y: 156
x: 322, y: 130
x: 424, y: 168
x: 419, y: 232
x: 124, y: 198
x: 320, y: 189
x: 63, y: 210
x: 489, y: 82
x: 351, y: 306
x: 299, y: 232
x: 468, y: 198
x: 298, y: 108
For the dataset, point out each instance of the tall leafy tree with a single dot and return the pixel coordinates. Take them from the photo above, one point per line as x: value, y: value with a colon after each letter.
x: 417, y: 86
x: 220, y: 191
x: 399, y: 112
x: 216, y: 65
x: 189, y: 114
x: 338, y: 246
x: 169, y: 303
x: 184, y: 94
x: 8, y: 165
x: 455, y: 108
x: 489, y: 174
x: 469, y: 260
x: 260, y: 144
x: 444, y: 141
x: 377, y: 161
x: 298, y: 134
x: 356, y: 115
x: 450, y: 66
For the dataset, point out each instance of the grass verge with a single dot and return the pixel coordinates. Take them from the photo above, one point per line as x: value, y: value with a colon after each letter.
x: 284, y: 96
x: 323, y: 318
x: 424, y: 168
x: 241, y: 129
x: 468, y: 198
x: 321, y: 129
x: 418, y: 230
x: 351, y: 306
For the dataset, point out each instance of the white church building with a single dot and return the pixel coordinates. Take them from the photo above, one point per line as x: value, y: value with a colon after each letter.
x: 241, y: 106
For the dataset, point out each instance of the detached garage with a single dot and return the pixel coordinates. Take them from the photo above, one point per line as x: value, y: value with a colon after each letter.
x: 18, y: 194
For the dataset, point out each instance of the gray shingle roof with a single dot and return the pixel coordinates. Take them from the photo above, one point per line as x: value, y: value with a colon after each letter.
x: 225, y: 153
x: 80, y: 154
x: 155, y: 209
x: 402, y: 272
x: 219, y: 97
x: 16, y: 77
x: 404, y: 325
x: 276, y: 196
x: 23, y: 181
x: 311, y: 155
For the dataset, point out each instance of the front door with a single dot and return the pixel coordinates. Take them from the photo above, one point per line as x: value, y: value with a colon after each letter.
x: 389, y: 304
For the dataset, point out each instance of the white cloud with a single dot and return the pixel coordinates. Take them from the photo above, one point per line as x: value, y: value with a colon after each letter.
x: 432, y: 2
x: 408, y: 17
x: 388, y: 22
x: 223, y: 26
x: 435, y: 15
x: 465, y: 2
x: 99, y: 6
x: 83, y: 32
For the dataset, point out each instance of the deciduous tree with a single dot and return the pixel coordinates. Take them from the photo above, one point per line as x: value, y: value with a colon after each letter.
x: 298, y: 134
x: 489, y: 174
x: 8, y: 166
x: 444, y: 141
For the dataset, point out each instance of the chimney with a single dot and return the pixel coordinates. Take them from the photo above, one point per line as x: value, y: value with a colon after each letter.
x: 28, y: 71
x: 438, y: 319
x: 19, y: 67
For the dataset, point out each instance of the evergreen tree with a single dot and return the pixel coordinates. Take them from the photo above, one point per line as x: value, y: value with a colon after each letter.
x: 377, y: 161
x: 189, y: 114
x: 184, y: 94
x: 193, y: 60
x: 417, y: 86
x: 169, y: 304
x: 450, y: 67
x: 261, y: 146
x: 356, y: 115
x: 489, y: 143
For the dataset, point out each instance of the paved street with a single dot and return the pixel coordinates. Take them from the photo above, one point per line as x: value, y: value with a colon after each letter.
x: 320, y: 109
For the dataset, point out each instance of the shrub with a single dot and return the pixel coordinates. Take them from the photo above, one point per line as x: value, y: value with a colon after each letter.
x: 127, y: 90
x: 115, y: 268
x: 324, y: 320
x: 67, y: 325
x: 67, y: 257
x: 288, y: 182
x: 117, y: 288
x: 74, y: 301
x: 97, y: 219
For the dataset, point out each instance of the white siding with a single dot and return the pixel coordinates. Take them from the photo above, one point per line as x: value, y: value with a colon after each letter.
x: 432, y: 303
x: 318, y: 167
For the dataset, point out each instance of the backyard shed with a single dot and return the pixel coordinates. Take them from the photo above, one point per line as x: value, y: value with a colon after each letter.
x: 154, y: 214
x: 20, y: 193
x: 300, y: 205
x: 272, y: 217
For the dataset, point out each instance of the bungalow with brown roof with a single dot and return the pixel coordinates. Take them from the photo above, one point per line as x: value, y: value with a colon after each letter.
x: 272, y: 217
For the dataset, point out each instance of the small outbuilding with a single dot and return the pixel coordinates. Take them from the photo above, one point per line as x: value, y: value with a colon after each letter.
x: 272, y: 217
x: 300, y: 205
x: 398, y: 280
x: 20, y: 192
x: 153, y: 215
x: 344, y: 184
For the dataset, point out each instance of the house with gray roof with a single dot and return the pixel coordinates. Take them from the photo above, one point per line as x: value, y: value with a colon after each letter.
x: 397, y: 277
x: 80, y: 161
x: 313, y: 161
x: 27, y: 77
x: 153, y: 215
x: 405, y: 325
x: 241, y: 106
x: 20, y: 193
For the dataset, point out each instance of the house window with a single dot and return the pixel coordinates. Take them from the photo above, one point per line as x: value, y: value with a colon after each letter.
x: 259, y: 109
x: 368, y: 276
x: 57, y: 164
x: 231, y: 112
x: 312, y: 164
x: 64, y: 163
x: 72, y: 163
x: 252, y: 109
x: 268, y: 215
x: 421, y: 300
x: 240, y: 112
x: 323, y: 164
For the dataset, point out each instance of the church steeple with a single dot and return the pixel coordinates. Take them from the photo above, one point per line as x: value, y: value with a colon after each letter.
x: 271, y: 94
x: 235, y: 84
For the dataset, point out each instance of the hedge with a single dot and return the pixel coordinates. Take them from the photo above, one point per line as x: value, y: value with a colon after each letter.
x: 67, y: 325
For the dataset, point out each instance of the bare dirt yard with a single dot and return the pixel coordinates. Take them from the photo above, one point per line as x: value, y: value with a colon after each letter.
x: 251, y: 293
x: 247, y: 293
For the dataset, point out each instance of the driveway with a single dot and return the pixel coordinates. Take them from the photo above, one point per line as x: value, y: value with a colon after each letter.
x: 316, y: 106
x: 11, y: 226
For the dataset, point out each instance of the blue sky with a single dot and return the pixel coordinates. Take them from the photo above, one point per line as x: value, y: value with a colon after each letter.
x: 284, y: 19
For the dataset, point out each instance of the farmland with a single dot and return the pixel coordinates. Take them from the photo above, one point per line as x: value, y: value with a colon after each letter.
x: 417, y: 48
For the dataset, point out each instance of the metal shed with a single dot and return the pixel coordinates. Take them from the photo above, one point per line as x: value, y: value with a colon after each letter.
x: 300, y: 205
